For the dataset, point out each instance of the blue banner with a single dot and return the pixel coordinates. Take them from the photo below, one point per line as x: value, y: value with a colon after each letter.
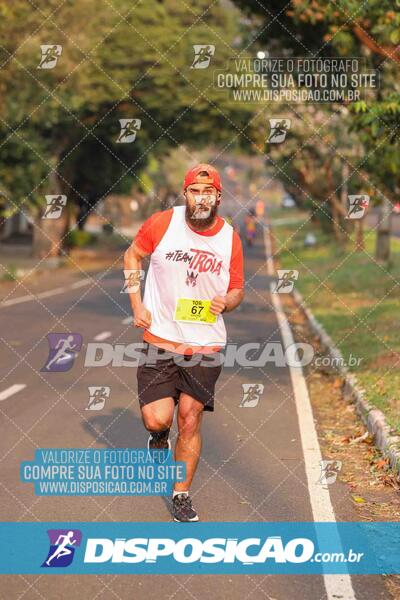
x: 102, y: 472
x: 200, y: 548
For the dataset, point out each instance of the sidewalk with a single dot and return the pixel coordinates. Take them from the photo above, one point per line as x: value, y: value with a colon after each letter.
x: 16, y: 261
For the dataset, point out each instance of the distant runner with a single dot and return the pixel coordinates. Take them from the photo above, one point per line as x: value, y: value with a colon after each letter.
x: 260, y: 208
x: 250, y: 227
x: 195, y: 274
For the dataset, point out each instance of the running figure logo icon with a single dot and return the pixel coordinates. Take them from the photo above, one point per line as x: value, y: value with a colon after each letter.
x: 50, y: 54
x: 55, y: 205
x: 251, y: 394
x: 132, y: 280
x: 358, y: 204
x: 64, y: 348
x: 286, y: 279
x: 204, y: 204
x: 191, y: 278
x: 98, y: 395
x: 329, y: 471
x: 62, y: 547
x: 202, y: 55
x: 129, y: 129
x: 279, y: 129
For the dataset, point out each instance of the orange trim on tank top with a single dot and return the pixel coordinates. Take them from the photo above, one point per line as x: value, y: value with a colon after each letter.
x: 178, y: 347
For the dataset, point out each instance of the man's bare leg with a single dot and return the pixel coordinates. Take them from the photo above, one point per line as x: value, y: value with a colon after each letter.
x: 188, y: 444
x: 157, y: 418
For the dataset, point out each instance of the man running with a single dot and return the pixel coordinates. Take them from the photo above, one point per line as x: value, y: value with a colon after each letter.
x: 195, y: 274
x: 250, y: 227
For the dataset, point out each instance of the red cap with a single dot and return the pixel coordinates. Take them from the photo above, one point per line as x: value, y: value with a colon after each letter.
x: 213, y: 177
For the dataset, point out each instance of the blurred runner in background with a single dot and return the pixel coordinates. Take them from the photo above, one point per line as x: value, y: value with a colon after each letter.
x: 250, y: 227
x: 260, y: 208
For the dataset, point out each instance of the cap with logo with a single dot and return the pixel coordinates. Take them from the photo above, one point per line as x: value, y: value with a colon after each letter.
x: 212, y: 177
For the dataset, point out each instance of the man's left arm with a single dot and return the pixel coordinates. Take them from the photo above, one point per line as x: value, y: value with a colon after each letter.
x: 235, y: 292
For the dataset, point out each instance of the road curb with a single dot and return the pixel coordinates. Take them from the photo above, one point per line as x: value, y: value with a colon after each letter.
x: 385, y: 437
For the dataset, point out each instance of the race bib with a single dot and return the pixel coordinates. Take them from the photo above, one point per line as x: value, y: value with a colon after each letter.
x: 194, y: 311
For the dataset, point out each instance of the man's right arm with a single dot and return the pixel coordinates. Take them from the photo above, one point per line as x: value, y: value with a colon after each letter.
x: 145, y: 242
x: 133, y: 262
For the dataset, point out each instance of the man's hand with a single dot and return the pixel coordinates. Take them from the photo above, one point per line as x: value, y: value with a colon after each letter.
x: 142, y: 317
x: 229, y: 302
x: 218, y: 303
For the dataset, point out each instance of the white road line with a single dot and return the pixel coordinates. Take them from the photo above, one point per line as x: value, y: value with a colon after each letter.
x: 337, y: 586
x: 102, y: 336
x: 13, y: 389
x: 47, y: 294
x: 127, y: 321
x: 54, y: 292
x: 268, y: 252
x: 80, y: 283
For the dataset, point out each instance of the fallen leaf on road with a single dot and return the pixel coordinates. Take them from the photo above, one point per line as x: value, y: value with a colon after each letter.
x: 381, y: 464
x: 358, y: 499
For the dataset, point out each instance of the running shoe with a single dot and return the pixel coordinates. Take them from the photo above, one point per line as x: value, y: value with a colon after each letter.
x: 159, y: 441
x: 183, y: 510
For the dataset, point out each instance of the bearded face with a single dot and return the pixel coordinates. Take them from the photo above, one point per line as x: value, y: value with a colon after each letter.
x: 201, y: 206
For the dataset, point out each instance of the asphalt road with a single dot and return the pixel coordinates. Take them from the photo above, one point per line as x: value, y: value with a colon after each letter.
x: 252, y: 466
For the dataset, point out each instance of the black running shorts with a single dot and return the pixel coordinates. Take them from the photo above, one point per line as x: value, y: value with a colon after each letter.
x: 162, y: 373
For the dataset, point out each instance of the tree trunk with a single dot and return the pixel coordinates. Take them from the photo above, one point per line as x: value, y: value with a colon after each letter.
x: 335, y: 221
x: 382, y: 249
x: 47, y: 236
x: 344, y: 192
x: 336, y: 207
x: 47, y: 233
x: 359, y: 234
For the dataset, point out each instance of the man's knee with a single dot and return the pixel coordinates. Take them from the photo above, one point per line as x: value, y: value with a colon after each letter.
x: 156, y: 421
x: 189, y: 421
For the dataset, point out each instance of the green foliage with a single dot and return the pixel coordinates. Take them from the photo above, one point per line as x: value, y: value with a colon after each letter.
x: 9, y: 273
x: 130, y: 61
x: 362, y: 137
x: 78, y: 239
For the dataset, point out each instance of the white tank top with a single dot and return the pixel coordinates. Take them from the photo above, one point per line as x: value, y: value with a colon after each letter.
x: 186, y: 264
